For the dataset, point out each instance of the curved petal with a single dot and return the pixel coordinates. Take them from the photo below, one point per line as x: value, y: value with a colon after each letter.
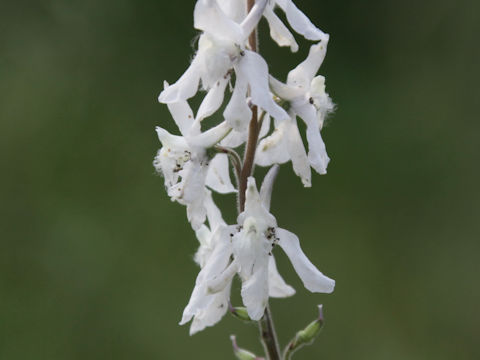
x: 267, y: 186
x: 277, y: 287
x: 304, y: 73
x: 186, y: 86
x: 218, y: 175
x: 317, y: 153
x: 255, y: 70
x: 215, y: 219
x: 279, y: 32
x: 285, y: 91
x: 237, y: 113
x: 210, y: 137
x: 252, y: 19
x: 272, y: 149
x: 300, y: 22
x: 183, y: 116
x: 311, y: 277
x: 213, y: 100
x: 297, y: 153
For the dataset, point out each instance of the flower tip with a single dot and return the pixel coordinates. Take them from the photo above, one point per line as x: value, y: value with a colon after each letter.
x: 320, y: 313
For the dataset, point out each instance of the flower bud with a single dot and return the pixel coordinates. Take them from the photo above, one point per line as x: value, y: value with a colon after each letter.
x: 307, y: 335
x: 243, y: 354
x: 239, y: 312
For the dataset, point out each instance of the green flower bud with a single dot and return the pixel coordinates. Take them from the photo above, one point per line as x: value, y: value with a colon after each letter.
x: 240, y: 313
x: 242, y: 354
x: 305, y: 336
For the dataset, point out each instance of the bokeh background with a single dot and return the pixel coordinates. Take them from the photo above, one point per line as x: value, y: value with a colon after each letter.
x: 96, y: 262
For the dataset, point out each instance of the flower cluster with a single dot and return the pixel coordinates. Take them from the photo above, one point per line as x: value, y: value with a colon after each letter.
x: 196, y: 162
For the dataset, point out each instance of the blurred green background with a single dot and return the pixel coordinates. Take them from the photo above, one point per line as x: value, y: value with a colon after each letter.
x: 96, y: 262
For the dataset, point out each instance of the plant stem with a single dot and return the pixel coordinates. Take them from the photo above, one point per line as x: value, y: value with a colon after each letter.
x: 266, y: 326
x: 269, y: 336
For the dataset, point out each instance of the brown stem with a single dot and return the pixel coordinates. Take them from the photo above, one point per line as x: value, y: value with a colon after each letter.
x: 249, y: 158
x: 269, y: 336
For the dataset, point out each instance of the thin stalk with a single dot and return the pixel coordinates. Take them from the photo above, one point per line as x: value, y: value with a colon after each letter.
x: 269, y: 336
x: 266, y: 326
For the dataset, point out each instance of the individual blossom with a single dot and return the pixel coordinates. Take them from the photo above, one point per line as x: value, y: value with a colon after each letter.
x: 304, y: 96
x: 185, y: 165
x: 222, y: 47
x: 212, y: 286
x: 248, y: 252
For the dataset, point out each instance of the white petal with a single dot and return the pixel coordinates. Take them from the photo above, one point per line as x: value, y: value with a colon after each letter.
x: 255, y: 290
x: 255, y: 69
x: 254, y: 208
x: 219, y: 282
x: 267, y: 186
x: 284, y: 91
x: 297, y: 153
x: 218, y: 175
x: 210, y: 137
x: 272, y: 149
x: 210, y: 18
x: 213, y: 100
x: 183, y: 115
x: 265, y: 129
x: 311, y: 277
x: 279, y: 32
x: 214, y: 215
x: 304, y: 73
x: 169, y: 140
x: 213, y: 313
x: 277, y: 287
x: 216, y: 264
x: 237, y: 113
x: 317, y: 153
x: 234, y: 139
x: 251, y: 21
x: 235, y: 10
x: 300, y: 22
x: 194, y: 194
x: 186, y: 86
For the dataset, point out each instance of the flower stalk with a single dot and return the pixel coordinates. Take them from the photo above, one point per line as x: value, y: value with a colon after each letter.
x: 198, y: 161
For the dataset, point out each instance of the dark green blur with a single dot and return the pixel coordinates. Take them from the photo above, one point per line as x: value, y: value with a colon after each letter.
x: 96, y: 262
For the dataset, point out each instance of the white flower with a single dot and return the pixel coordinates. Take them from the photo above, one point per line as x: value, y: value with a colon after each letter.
x: 222, y: 47
x: 185, y: 166
x: 305, y: 94
x: 297, y: 20
x: 251, y: 247
x: 252, y: 250
x: 213, y: 256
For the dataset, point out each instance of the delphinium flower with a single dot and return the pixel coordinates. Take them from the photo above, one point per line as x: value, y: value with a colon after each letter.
x: 305, y: 97
x: 198, y: 162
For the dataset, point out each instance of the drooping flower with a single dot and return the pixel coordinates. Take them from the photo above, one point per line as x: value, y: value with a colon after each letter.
x: 185, y: 165
x: 246, y: 249
x: 252, y: 250
x: 223, y: 47
x: 305, y: 95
